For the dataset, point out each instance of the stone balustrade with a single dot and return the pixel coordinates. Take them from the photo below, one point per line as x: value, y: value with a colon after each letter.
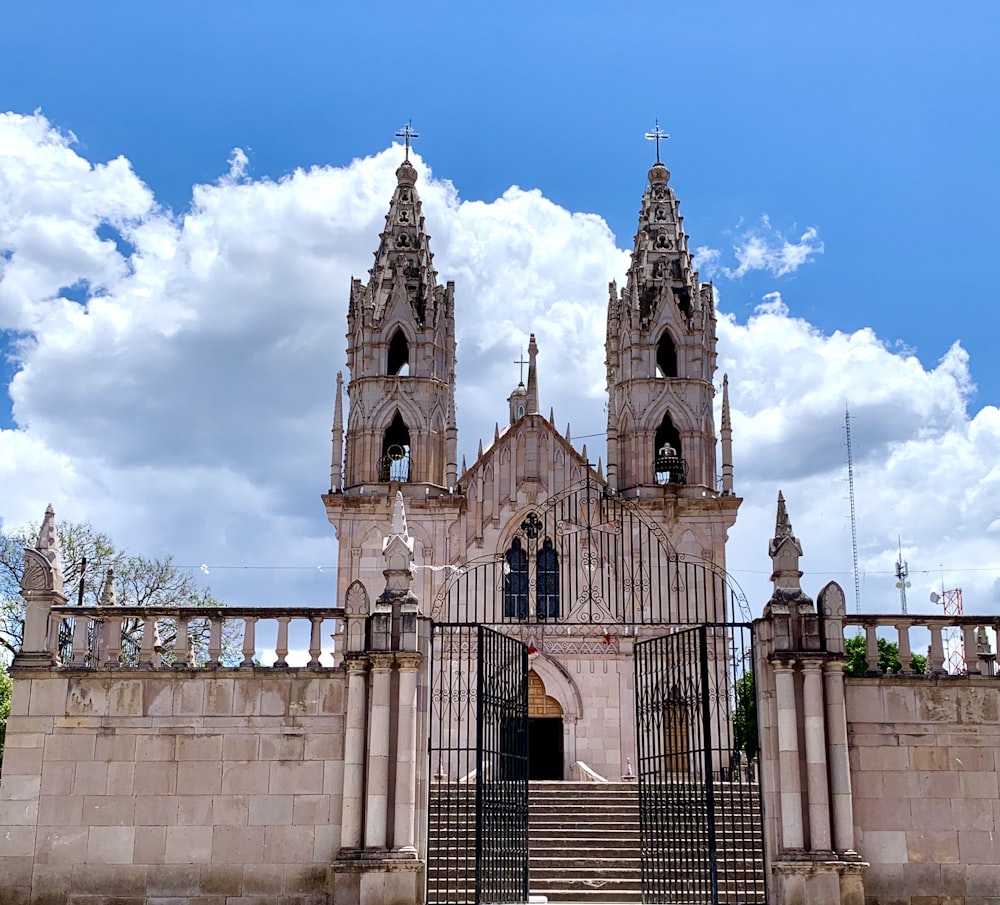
x: 119, y: 637
x: 945, y: 633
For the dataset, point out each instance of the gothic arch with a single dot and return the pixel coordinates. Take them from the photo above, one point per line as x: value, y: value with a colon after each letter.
x: 383, y: 414
x: 666, y: 355
x: 680, y: 414
x: 558, y: 685
x: 398, y: 354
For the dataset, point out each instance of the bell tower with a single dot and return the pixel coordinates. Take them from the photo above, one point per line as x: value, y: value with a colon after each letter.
x: 401, y: 357
x: 661, y: 359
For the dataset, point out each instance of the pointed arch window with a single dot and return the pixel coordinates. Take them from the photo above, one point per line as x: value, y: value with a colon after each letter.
x: 515, y: 581
x: 669, y: 466
x: 398, y: 361
x: 666, y: 356
x: 394, y: 464
x: 547, y: 574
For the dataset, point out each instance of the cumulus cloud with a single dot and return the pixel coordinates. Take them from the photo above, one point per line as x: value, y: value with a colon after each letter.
x: 175, y: 370
x: 761, y: 247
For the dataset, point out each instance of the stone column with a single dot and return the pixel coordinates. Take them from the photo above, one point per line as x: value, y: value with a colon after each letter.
x: 406, y: 756
x: 788, y: 755
x: 354, y: 753
x: 837, y: 754
x: 377, y: 799
x: 816, y: 767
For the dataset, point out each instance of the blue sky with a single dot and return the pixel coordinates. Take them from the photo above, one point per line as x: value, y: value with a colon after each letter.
x: 861, y: 137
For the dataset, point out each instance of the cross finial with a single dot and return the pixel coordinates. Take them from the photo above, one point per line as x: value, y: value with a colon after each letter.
x: 656, y: 135
x: 522, y: 361
x: 407, y: 133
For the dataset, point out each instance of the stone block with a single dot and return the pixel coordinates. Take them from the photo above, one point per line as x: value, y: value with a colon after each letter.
x: 158, y: 696
x: 17, y: 812
x: 22, y: 761
x: 972, y: 813
x: 885, y: 847
x: 932, y: 846
x: 882, y: 814
x: 194, y: 810
x: 230, y: 810
x: 199, y: 747
x: 331, y: 695
x: 312, y: 810
x: 295, y: 778
x: 288, y: 844
x: 308, y: 881
x: 156, y: 810
x: 90, y: 778
x: 979, y: 847
x: 20, y: 788
x: 188, y: 845
x: 938, y: 784
x: 261, y: 879
x: 883, y: 758
x: 181, y: 880
x: 246, y: 696
x: 48, y: 696
x: 189, y: 696
x: 115, y: 747
x: 274, y: 697
x: 218, y: 696
x: 70, y: 746
x: 126, y: 697
x: 150, y: 845
x: 199, y: 778
x: 237, y: 844
x: 936, y: 704
x: 108, y: 810
x: 15, y: 872
x: 62, y: 845
x: 245, y: 778
x: 303, y: 699
x: 326, y: 842
x: 333, y: 777
x: 981, y: 880
x: 282, y: 747
x: 60, y: 810
x: 983, y: 784
x: 121, y: 778
x: 925, y: 757
x: 110, y: 844
x: 155, y: 747
x: 222, y: 881
x: 239, y: 747
x: 155, y: 778
x: 271, y: 810
x: 17, y: 841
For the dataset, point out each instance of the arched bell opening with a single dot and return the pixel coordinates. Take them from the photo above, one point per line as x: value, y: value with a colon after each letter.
x: 394, y: 464
x: 666, y: 357
x: 398, y: 361
x: 669, y: 466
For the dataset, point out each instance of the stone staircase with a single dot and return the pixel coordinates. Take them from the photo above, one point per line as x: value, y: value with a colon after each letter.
x: 584, y: 846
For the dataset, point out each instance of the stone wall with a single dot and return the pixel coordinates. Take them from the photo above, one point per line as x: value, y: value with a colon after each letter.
x: 166, y: 785
x: 925, y: 762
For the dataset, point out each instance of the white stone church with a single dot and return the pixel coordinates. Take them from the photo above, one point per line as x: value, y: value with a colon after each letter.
x: 574, y: 558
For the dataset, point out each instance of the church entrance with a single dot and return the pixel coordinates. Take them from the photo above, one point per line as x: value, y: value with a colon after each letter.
x: 545, y: 732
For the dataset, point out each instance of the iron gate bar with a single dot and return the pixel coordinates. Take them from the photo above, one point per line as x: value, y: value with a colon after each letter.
x: 478, y: 808
x: 699, y: 812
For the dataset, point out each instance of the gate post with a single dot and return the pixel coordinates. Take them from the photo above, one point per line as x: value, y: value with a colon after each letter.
x: 383, y: 858
x: 803, y: 739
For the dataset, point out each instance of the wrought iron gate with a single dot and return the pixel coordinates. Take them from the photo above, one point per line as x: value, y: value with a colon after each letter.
x: 478, y: 807
x: 699, y: 802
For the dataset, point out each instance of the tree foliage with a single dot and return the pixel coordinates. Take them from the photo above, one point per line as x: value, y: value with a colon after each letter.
x: 138, y: 580
x: 888, y: 657
x: 745, y: 716
x: 6, y: 690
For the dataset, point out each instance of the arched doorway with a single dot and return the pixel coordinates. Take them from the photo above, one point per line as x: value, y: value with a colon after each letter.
x: 545, y: 731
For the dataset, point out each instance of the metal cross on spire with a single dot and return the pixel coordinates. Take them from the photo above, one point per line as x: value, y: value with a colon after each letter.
x: 522, y: 362
x: 407, y: 133
x: 656, y: 135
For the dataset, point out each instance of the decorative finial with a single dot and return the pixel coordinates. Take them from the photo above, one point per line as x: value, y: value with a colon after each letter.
x: 399, y: 516
x: 656, y: 135
x: 782, y: 526
x: 48, y: 538
x: 522, y: 361
x: 407, y: 134
x: 108, y: 596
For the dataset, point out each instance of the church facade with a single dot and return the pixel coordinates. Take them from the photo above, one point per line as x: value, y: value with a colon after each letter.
x: 577, y: 559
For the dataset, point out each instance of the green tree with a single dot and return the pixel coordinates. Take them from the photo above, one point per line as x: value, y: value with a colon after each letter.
x: 745, y: 716
x: 6, y: 690
x: 138, y: 580
x: 888, y: 657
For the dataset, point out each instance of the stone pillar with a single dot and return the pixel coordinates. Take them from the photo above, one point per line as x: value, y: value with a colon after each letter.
x: 788, y: 755
x: 837, y: 755
x: 41, y: 588
x: 354, y: 753
x: 377, y: 798
x: 406, y: 756
x: 816, y: 765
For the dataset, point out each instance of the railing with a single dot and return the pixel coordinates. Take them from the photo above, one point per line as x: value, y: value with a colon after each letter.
x: 954, y: 640
x: 670, y: 470
x: 119, y: 637
x: 394, y: 466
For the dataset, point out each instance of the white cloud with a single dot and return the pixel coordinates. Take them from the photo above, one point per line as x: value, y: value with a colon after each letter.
x: 185, y: 407
x: 761, y: 247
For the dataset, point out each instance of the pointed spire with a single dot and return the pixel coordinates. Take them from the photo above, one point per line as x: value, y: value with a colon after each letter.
x: 583, y: 452
x: 569, y: 439
x: 532, y: 398
x: 727, y: 440
x: 108, y: 595
x: 337, y: 459
x: 465, y: 467
x: 552, y: 416
x: 782, y: 526
x: 600, y: 468
x: 399, y: 516
x: 479, y: 454
x: 496, y: 432
x: 48, y: 539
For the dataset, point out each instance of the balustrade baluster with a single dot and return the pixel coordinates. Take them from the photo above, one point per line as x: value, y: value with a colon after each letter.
x: 181, y: 646
x: 81, y: 637
x: 905, y: 654
x: 315, y: 645
x: 935, y: 661
x: 146, y: 648
x: 871, y: 650
x: 214, y: 641
x: 281, y: 645
x: 113, y: 633
x: 249, y: 640
x: 971, y: 650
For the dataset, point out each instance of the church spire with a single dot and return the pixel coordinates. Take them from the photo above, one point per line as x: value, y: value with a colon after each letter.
x: 532, y: 396
x: 727, y: 440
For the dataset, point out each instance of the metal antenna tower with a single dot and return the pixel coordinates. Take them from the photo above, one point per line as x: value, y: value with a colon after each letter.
x: 854, y: 521
x: 902, y: 571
